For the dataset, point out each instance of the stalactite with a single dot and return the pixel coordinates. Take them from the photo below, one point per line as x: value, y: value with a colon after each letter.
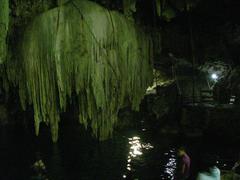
x: 159, y: 7
x: 129, y: 6
x: 4, y: 21
x: 61, y: 2
x: 83, y: 48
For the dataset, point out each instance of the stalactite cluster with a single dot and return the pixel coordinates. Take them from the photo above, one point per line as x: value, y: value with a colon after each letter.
x: 85, y: 49
x: 4, y: 21
x: 168, y: 9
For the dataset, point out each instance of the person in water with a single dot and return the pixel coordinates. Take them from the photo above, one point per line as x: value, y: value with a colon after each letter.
x: 184, y: 164
x: 209, y: 169
x: 39, y: 169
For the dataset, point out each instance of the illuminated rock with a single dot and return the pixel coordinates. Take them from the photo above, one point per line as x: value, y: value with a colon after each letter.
x: 84, y: 49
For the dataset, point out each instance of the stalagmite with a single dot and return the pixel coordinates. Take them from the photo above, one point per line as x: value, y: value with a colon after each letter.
x: 4, y: 20
x: 82, y: 48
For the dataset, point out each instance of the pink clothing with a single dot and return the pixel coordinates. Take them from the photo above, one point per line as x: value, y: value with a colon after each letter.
x: 186, y: 161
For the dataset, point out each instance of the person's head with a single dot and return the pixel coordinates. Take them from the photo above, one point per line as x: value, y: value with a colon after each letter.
x: 181, y: 151
x: 207, y: 161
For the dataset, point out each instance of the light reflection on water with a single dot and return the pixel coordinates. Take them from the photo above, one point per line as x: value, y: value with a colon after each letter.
x: 171, y: 166
x: 136, y: 149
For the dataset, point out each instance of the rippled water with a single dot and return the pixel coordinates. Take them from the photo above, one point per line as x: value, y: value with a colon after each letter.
x: 139, y: 153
